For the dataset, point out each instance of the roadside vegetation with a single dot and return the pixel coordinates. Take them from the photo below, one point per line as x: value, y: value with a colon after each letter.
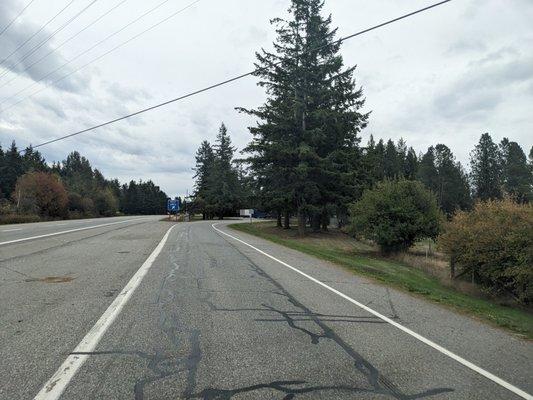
x: 32, y: 190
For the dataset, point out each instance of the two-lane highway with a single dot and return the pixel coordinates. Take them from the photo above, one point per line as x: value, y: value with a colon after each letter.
x: 145, y: 309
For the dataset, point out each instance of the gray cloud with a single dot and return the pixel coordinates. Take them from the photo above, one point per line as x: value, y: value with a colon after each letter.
x: 485, y: 85
x: 445, y: 76
x: 20, y: 62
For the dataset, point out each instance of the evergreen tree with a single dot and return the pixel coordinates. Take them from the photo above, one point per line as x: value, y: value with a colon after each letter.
x: 427, y: 171
x: 33, y: 161
x: 445, y: 177
x: 205, y: 159
x: 12, y: 168
x: 401, y: 156
x: 379, y: 163
x: 517, y: 175
x: 306, y: 142
x: 391, y: 163
x: 223, y: 195
x: 410, y: 166
x: 452, y: 188
x: 486, y: 170
x: 77, y: 174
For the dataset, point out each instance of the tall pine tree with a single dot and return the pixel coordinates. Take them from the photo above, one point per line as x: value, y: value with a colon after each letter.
x: 205, y: 158
x: 517, y: 176
x: 223, y: 195
x: 306, y: 142
x: 486, y: 171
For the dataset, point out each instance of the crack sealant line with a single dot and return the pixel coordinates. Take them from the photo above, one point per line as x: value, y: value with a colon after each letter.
x: 417, y: 336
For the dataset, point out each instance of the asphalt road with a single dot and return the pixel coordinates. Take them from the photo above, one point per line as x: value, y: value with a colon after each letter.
x: 123, y: 308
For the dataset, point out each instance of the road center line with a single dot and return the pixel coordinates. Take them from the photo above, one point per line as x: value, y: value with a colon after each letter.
x: 67, y: 231
x: 12, y: 230
x: 421, y: 338
x: 55, y: 386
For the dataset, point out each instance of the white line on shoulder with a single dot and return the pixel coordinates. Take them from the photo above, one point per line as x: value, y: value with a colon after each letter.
x: 421, y: 338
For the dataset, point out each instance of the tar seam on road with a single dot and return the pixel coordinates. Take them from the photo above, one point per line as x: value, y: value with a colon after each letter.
x: 67, y: 231
x: 421, y: 338
x: 55, y: 386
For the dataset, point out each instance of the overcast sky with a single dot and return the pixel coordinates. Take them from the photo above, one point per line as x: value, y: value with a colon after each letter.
x: 444, y: 76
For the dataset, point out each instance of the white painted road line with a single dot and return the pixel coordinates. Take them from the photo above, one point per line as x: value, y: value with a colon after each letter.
x: 12, y: 230
x: 67, y: 231
x: 58, y: 382
x: 421, y: 338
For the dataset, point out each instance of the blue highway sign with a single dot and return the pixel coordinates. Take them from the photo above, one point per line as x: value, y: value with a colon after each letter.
x: 173, y: 206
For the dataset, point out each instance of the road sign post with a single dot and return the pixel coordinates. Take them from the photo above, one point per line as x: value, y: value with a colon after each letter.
x: 173, y: 207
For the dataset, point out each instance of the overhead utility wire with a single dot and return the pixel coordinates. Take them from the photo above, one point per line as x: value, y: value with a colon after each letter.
x: 16, y: 17
x: 43, y: 42
x: 33, y: 35
x: 79, y: 55
x: 91, y: 61
x: 237, y: 77
x: 63, y: 43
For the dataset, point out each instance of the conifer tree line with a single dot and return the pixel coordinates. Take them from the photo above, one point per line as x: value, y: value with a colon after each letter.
x: 219, y: 188
x: 305, y: 158
x: 71, y: 188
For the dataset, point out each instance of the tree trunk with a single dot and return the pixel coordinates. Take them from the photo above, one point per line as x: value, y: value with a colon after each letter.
x: 324, y: 220
x: 287, y: 222
x: 278, y: 223
x: 315, y: 222
x: 301, y: 221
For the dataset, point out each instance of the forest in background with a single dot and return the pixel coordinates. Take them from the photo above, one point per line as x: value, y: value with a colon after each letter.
x: 32, y: 190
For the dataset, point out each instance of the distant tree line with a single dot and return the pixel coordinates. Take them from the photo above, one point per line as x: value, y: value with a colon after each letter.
x: 69, y: 189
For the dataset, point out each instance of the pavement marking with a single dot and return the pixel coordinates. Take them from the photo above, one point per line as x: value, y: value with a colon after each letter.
x: 55, y: 386
x: 67, y: 231
x: 421, y: 338
x: 12, y: 230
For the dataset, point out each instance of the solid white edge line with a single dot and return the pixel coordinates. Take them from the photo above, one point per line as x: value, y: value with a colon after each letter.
x: 67, y: 231
x: 421, y: 338
x: 55, y: 386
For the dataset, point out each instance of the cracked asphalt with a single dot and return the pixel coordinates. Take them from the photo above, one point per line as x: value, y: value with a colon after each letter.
x: 215, y: 319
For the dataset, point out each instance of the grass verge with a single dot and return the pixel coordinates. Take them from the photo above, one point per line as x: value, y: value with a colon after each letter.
x: 401, y: 276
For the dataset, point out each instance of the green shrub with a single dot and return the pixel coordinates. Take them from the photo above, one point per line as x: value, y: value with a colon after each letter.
x: 106, y: 203
x: 494, y: 244
x: 395, y: 214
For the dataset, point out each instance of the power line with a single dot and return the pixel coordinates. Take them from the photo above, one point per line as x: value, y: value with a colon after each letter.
x: 237, y: 77
x: 91, y: 48
x: 43, y: 42
x: 16, y: 17
x: 33, y: 35
x: 63, y: 43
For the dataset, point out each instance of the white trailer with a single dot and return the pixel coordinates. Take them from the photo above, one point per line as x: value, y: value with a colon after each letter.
x: 248, y: 212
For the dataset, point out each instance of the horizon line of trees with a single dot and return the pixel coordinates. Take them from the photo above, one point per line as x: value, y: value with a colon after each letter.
x: 71, y: 188
x: 305, y: 158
